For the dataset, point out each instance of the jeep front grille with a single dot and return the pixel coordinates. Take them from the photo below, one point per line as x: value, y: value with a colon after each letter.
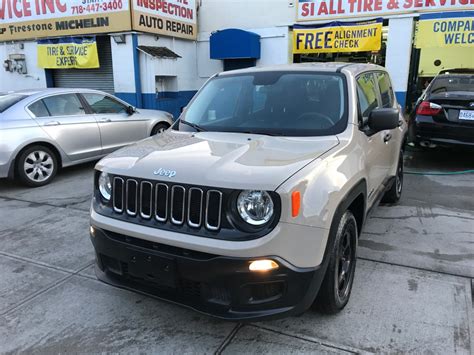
x: 166, y: 203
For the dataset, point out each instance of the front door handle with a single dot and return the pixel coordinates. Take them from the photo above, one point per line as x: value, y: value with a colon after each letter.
x: 387, y: 138
x: 52, y: 123
x: 105, y: 120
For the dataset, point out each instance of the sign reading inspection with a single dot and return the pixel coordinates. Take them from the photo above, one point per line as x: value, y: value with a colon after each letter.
x: 65, y: 53
x: 338, y: 37
x: 446, y: 32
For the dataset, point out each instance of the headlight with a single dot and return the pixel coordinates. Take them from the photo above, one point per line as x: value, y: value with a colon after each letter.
x: 105, y: 186
x: 255, y: 207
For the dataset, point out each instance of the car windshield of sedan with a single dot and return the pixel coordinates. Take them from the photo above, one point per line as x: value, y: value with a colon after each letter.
x: 272, y: 103
x: 446, y: 83
x: 8, y: 100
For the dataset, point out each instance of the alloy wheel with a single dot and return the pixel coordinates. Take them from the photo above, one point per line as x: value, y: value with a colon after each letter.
x: 38, y: 166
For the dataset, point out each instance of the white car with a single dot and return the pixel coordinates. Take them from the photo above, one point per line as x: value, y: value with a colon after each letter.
x: 46, y: 129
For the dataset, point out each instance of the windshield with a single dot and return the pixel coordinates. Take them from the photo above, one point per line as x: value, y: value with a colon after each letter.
x: 274, y: 103
x: 445, y: 83
x: 8, y: 100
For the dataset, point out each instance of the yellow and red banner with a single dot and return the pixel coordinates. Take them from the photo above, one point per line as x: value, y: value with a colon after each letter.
x: 67, y: 53
x: 338, y: 37
x: 445, y: 32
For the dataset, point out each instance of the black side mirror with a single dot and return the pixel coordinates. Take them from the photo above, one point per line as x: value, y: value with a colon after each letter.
x: 130, y: 110
x: 381, y: 119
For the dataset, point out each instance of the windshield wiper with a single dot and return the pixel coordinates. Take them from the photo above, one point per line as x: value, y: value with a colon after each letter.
x: 263, y: 133
x: 193, y: 125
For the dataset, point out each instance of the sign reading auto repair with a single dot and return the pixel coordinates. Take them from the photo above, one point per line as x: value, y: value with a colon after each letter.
x: 65, y: 53
x: 445, y: 32
x: 175, y: 18
x: 315, y: 10
x: 26, y: 19
x: 338, y: 37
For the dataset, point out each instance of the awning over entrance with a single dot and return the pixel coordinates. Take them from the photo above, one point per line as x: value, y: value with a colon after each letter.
x: 233, y: 43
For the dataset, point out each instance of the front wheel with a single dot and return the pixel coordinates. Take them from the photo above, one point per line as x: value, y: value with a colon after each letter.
x: 337, y: 284
x: 393, y: 195
x: 37, y: 166
x: 159, y: 128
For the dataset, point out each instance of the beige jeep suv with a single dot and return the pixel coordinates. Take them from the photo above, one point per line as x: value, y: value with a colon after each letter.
x: 250, y: 205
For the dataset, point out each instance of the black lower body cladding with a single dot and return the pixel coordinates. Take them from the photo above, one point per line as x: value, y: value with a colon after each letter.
x: 219, y: 286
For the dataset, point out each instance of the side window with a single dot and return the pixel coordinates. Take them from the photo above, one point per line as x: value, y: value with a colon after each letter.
x: 63, y: 105
x: 367, y: 94
x: 386, y: 92
x: 104, y: 104
x: 38, y: 109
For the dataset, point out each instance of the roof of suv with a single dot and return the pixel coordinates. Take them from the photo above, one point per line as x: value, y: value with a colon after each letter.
x: 354, y: 68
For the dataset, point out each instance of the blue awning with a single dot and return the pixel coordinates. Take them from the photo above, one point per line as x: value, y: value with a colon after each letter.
x: 233, y: 43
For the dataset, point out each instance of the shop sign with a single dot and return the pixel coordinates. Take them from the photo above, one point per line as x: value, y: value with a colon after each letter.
x: 67, y: 53
x: 445, y: 32
x: 28, y: 19
x: 175, y: 18
x: 338, y: 37
x: 315, y: 10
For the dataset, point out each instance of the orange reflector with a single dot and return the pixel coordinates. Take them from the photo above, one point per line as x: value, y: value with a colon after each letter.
x: 263, y: 265
x: 295, y: 203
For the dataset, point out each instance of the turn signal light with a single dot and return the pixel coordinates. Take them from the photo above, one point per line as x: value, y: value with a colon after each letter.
x: 295, y: 203
x: 263, y: 265
x: 428, y: 109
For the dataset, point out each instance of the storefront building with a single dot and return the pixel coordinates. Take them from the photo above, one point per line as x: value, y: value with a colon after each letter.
x: 156, y: 53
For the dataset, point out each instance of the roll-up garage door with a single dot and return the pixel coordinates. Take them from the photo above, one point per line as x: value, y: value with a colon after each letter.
x: 100, y: 79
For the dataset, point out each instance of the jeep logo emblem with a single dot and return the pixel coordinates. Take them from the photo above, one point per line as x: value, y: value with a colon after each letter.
x: 164, y: 172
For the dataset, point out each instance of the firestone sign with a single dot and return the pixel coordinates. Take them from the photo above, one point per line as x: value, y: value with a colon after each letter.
x: 314, y: 10
x: 30, y: 19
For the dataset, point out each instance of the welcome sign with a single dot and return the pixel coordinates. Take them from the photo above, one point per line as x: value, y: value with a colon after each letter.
x: 338, y: 37
x: 446, y: 32
x: 66, y: 53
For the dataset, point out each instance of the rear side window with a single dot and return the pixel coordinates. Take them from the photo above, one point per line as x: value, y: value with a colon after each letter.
x: 103, y: 104
x: 385, y: 87
x: 367, y: 94
x: 38, y: 109
x: 8, y: 100
x: 64, y: 105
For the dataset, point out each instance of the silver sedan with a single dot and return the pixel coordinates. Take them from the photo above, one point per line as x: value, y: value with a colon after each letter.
x: 44, y: 130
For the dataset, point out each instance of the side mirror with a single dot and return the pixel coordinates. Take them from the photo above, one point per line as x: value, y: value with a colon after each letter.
x: 381, y: 119
x: 131, y: 110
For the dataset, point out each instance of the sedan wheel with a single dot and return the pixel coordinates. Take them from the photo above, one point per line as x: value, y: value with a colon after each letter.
x: 37, y: 166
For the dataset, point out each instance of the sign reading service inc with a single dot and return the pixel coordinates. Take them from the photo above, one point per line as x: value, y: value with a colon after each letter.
x: 66, y: 53
x: 175, y: 18
x: 338, y: 37
x: 27, y: 19
x: 315, y: 10
x: 445, y: 32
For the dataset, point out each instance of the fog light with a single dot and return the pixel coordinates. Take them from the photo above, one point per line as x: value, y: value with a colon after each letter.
x: 263, y: 265
x: 92, y: 230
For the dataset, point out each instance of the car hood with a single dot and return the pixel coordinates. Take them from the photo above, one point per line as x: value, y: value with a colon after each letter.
x: 226, y: 160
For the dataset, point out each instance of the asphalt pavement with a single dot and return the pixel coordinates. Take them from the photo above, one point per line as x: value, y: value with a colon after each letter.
x: 412, y: 292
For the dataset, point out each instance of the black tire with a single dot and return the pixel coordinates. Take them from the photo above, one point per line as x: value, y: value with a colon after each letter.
x: 36, y: 166
x: 160, y: 127
x: 336, y: 287
x: 393, y: 195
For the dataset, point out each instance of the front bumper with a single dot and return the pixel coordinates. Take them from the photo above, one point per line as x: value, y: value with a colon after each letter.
x: 216, y: 285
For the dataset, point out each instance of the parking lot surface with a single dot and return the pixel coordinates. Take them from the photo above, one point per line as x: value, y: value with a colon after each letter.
x: 412, y: 291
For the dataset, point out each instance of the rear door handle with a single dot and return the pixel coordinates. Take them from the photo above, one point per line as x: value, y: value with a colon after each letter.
x: 52, y: 123
x: 387, y: 138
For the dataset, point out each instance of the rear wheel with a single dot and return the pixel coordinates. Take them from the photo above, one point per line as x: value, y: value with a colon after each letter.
x: 37, y: 166
x: 336, y: 288
x: 393, y: 195
x: 159, y: 128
